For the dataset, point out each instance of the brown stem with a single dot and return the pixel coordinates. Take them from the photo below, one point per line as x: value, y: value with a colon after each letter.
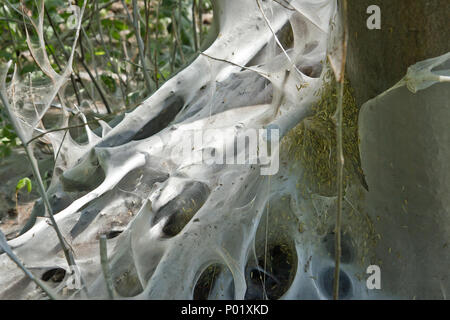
x: 340, y: 154
x: 100, y: 91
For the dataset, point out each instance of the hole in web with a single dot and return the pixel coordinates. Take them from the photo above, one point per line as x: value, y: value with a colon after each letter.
x: 327, y: 282
x: 125, y: 277
x: 113, y: 234
x: 286, y: 36
x: 273, y: 281
x: 181, y: 209
x: 55, y: 275
x: 171, y: 106
x: 215, y: 282
x: 270, y: 272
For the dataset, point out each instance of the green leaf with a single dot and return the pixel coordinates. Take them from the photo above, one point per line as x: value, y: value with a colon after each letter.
x: 106, y: 23
x: 5, y: 151
x: 29, y: 67
x: 109, y: 82
x: 22, y: 183
x: 115, y: 34
x: 120, y: 25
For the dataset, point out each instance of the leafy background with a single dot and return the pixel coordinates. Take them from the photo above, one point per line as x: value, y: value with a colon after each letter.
x: 108, y: 76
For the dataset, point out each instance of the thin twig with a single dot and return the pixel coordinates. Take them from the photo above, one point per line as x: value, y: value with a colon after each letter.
x: 20, y: 22
x: 340, y: 154
x: 110, y: 59
x: 66, y: 55
x: 99, y: 8
x: 266, y: 240
x: 286, y: 6
x: 137, y: 32
x: 28, y: 150
x: 147, y: 26
x: 178, y: 23
x: 105, y: 266
x: 4, y: 245
x: 177, y: 37
x: 16, y: 51
x: 200, y: 19
x: 277, y: 40
x: 194, y: 24
x: 157, y: 45
x: 62, y: 129
x: 91, y: 76
x: 72, y: 79
x: 235, y: 64
x: 174, y: 47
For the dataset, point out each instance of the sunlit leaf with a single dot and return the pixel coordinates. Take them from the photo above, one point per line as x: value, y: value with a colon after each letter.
x: 22, y: 183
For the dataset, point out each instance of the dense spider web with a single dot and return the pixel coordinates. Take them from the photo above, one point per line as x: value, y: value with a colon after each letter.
x: 179, y: 228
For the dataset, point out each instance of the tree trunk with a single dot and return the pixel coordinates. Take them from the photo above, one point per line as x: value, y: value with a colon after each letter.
x: 404, y: 141
x: 411, y: 31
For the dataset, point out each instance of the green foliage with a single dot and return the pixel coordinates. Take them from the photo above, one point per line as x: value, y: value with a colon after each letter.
x: 22, y: 183
x: 109, y: 82
x: 8, y: 138
x: 107, y: 46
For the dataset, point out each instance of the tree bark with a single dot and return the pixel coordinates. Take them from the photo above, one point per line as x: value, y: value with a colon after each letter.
x: 411, y: 31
